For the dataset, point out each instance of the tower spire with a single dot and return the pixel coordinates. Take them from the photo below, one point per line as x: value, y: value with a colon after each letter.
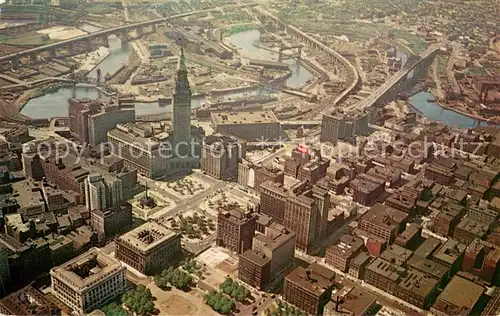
x: 181, y: 80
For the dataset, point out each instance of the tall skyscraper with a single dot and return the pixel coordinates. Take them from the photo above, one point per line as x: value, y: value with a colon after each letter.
x: 181, y: 116
x: 102, y: 192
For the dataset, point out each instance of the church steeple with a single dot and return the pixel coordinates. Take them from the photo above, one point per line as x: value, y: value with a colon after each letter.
x: 181, y: 78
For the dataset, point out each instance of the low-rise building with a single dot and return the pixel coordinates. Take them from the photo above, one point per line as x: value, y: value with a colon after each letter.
x: 351, y: 301
x: 28, y: 301
x: 358, y: 265
x: 88, y: 281
x: 259, y: 126
x: 149, y: 248
x: 340, y: 255
x: 309, y: 288
x: 460, y: 297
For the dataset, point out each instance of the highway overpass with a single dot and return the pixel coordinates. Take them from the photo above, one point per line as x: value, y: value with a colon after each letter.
x: 389, y: 90
x: 13, y: 58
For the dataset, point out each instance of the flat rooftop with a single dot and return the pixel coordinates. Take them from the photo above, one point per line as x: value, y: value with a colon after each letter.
x: 396, y: 254
x: 352, y: 300
x: 383, y: 215
x: 228, y: 118
x: 450, y: 251
x: 87, y: 269
x: 434, y: 269
x: 461, y: 292
x: 386, y: 269
x: 317, y: 282
x: 427, y: 247
x: 472, y: 226
x: 148, y: 236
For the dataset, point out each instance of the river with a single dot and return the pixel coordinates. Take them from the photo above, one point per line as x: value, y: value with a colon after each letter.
x: 435, y: 112
x: 245, y: 41
x: 56, y: 104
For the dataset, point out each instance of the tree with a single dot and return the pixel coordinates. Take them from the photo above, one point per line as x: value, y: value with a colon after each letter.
x: 113, y: 309
x: 181, y: 279
x: 241, y: 293
x: 139, y: 300
x: 219, y: 302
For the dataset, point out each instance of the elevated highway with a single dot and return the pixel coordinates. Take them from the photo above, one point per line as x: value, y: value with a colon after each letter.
x: 13, y: 58
x: 392, y: 87
x: 295, y: 32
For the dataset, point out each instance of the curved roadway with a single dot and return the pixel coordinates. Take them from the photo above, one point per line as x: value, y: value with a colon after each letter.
x: 325, y: 48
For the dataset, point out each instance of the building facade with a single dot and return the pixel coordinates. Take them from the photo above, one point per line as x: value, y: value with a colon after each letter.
x: 236, y: 229
x: 88, y: 281
x: 221, y: 155
x: 309, y: 289
x: 149, y: 248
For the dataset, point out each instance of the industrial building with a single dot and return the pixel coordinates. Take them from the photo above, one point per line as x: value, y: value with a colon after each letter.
x: 149, y: 248
x: 384, y: 222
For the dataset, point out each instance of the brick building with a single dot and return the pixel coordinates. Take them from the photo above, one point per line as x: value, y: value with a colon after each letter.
x: 28, y: 301
x: 351, y: 301
x: 358, y: 265
x: 460, y: 297
x: 236, y: 229
x: 112, y: 221
x: 384, y: 222
x: 340, y: 255
x: 271, y: 255
x: 264, y: 174
x: 366, y: 190
x: 410, y: 285
x: 273, y: 198
x: 306, y: 213
x: 309, y: 288
x: 483, y: 260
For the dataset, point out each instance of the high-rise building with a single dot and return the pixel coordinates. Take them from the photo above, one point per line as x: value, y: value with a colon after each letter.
x: 102, y: 192
x: 95, y: 192
x: 220, y: 156
x: 235, y: 229
x: 162, y: 154
x: 88, y: 281
x: 181, y: 104
x: 306, y: 213
x: 273, y: 198
x: 4, y: 271
x: 271, y: 255
x: 90, y: 120
x: 149, y: 248
x: 339, y: 126
x: 108, y: 116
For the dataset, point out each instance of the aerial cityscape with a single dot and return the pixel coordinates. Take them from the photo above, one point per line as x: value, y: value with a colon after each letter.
x: 250, y: 157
